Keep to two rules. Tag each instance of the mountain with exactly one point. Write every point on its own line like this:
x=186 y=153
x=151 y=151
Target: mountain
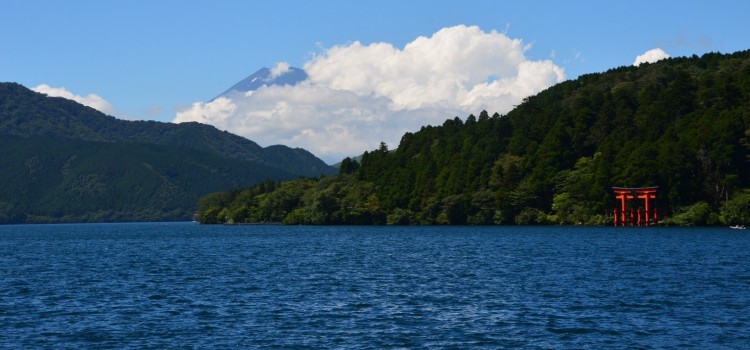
x=63 y=161
x=266 y=76
x=682 y=124
x=27 y=113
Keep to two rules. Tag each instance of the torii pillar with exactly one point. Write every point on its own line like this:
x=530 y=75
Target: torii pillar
x=646 y=194
x=623 y=194
x=626 y=193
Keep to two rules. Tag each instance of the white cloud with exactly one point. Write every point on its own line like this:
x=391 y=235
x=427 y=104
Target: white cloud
x=650 y=56
x=445 y=69
x=279 y=69
x=358 y=95
x=330 y=123
x=92 y=100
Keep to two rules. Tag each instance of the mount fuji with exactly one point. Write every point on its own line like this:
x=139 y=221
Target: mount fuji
x=266 y=76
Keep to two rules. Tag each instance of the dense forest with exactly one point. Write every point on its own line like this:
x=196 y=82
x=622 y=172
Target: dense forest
x=682 y=124
x=26 y=113
x=65 y=162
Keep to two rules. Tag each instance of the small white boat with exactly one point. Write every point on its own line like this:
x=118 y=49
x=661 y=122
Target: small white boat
x=737 y=227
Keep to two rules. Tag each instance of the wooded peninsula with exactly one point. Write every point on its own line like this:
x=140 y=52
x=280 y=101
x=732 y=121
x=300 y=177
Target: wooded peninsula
x=681 y=124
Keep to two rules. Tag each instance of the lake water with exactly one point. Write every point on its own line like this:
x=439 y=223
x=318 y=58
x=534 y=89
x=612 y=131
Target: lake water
x=182 y=285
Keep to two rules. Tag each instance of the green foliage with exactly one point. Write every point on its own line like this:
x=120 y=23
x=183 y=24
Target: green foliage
x=400 y=217
x=64 y=162
x=60 y=180
x=698 y=214
x=26 y=113
x=736 y=211
x=579 y=192
x=682 y=124
x=531 y=216
x=348 y=166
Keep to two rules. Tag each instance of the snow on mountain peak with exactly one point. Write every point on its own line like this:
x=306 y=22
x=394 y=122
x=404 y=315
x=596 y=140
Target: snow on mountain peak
x=281 y=74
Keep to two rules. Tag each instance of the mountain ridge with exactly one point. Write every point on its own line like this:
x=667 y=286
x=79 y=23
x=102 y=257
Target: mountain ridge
x=54 y=118
x=65 y=162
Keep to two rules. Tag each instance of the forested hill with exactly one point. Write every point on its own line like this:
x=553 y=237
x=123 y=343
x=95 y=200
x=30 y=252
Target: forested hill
x=682 y=124
x=64 y=162
x=24 y=112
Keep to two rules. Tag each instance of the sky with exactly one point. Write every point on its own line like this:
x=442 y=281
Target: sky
x=377 y=68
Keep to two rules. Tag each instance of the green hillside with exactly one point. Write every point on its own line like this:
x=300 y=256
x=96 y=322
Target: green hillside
x=26 y=113
x=682 y=124
x=64 y=162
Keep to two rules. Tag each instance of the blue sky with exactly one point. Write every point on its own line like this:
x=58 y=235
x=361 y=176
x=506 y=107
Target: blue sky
x=152 y=59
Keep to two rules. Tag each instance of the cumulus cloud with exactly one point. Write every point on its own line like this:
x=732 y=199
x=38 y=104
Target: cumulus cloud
x=279 y=69
x=451 y=68
x=650 y=56
x=357 y=95
x=92 y=100
x=330 y=123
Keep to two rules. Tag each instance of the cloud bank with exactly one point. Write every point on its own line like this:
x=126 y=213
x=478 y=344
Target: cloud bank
x=359 y=95
x=91 y=100
x=650 y=56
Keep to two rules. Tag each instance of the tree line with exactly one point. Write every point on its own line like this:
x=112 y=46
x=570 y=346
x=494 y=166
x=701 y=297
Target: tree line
x=681 y=124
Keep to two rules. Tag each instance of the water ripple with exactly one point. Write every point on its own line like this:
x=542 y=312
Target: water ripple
x=184 y=285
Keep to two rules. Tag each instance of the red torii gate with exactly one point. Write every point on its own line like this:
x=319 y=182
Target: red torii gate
x=623 y=217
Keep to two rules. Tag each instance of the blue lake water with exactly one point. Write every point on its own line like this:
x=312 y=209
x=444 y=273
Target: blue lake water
x=182 y=285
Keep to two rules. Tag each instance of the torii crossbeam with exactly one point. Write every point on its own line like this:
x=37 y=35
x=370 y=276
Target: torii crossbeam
x=632 y=217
